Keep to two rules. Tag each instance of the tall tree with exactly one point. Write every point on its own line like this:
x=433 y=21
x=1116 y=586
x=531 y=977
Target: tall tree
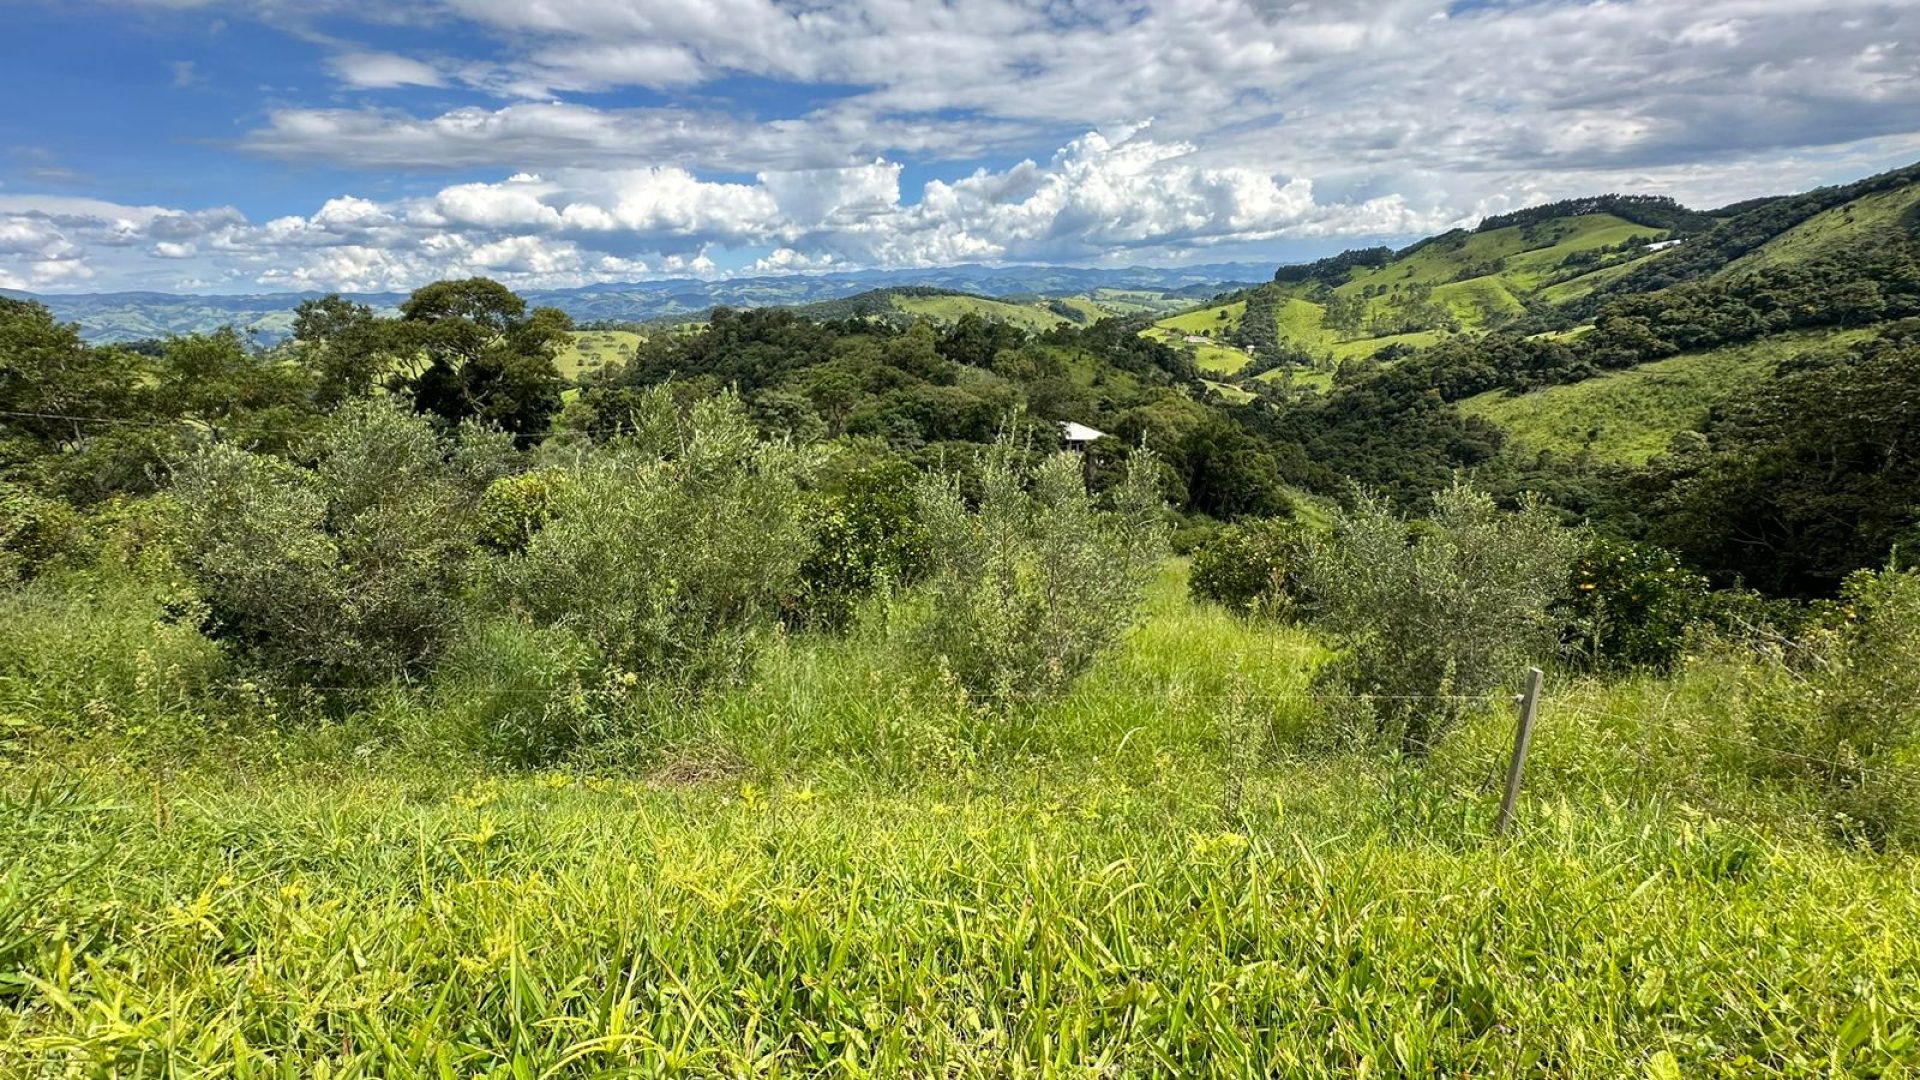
x=487 y=358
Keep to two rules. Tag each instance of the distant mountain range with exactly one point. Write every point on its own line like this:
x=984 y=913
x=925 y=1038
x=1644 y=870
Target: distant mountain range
x=133 y=316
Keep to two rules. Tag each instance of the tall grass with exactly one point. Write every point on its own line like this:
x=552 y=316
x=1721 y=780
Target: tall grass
x=1051 y=924
x=840 y=866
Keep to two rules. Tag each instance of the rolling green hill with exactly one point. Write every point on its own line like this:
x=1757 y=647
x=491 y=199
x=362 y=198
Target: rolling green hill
x=1357 y=305
x=1870 y=219
x=1035 y=316
x=1630 y=416
x=1032 y=313
x=595 y=349
x=1544 y=273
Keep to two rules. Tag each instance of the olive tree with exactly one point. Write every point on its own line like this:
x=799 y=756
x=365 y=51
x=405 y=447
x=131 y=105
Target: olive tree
x=347 y=568
x=1435 y=614
x=1033 y=583
x=669 y=551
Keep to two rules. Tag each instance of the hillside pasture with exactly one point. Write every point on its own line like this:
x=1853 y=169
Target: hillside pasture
x=1630 y=416
x=1033 y=317
x=595 y=350
x=1833 y=231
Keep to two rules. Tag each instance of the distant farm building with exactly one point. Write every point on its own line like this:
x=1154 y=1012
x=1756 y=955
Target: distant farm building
x=1077 y=436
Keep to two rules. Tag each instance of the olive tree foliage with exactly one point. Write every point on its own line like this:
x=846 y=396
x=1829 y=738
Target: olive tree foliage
x=1032 y=584
x=670 y=551
x=1433 y=616
x=1847 y=719
x=345 y=568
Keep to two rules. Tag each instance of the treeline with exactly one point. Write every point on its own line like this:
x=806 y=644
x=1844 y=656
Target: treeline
x=929 y=394
x=1653 y=211
x=85 y=425
x=1741 y=229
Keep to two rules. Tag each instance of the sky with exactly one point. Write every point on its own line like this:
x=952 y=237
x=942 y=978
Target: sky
x=248 y=146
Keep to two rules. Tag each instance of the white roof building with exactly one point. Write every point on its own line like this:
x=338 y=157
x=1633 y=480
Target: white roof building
x=1078 y=435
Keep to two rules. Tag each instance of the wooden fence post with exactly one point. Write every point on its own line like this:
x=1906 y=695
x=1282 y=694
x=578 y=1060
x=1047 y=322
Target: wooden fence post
x=1522 y=738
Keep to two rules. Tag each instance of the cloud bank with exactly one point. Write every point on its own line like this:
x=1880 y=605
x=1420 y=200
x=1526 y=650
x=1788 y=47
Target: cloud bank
x=626 y=138
x=1099 y=198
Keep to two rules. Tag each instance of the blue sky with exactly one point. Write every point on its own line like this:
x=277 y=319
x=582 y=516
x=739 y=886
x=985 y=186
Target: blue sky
x=260 y=145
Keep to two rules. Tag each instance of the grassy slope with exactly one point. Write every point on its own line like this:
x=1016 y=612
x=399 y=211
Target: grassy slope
x=594 y=349
x=1630 y=416
x=1232 y=393
x=1526 y=253
x=1572 y=289
x=829 y=883
x=1090 y=312
x=1217 y=320
x=1862 y=220
x=946 y=309
x=1527 y=259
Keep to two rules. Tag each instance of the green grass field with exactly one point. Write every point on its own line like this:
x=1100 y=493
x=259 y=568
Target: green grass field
x=1232 y=393
x=594 y=350
x=1524 y=255
x=946 y=309
x=831 y=872
x=1831 y=231
x=1630 y=416
x=1300 y=322
x=1220 y=359
x=1308 y=378
x=1218 y=321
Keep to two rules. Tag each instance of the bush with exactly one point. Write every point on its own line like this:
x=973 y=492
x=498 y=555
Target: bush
x=1851 y=723
x=91 y=655
x=1029 y=589
x=515 y=507
x=1630 y=605
x=866 y=537
x=36 y=533
x=670 y=552
x=348 y=571
x=1252 y=568
x=523 y=695
x=1436 y=615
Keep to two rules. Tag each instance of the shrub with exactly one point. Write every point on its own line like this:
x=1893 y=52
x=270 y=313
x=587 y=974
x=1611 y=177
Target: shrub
x=515 y=507
x=104 y=654
x=36 y=533
x=523 y=695
x=1252 y=568
x=1851 y=723
x=1435 y=615
x=1028 y=589
x=348 y=571
x=866 y=537
x=1191 y=533
x=1629 y=605
x=669 y=552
